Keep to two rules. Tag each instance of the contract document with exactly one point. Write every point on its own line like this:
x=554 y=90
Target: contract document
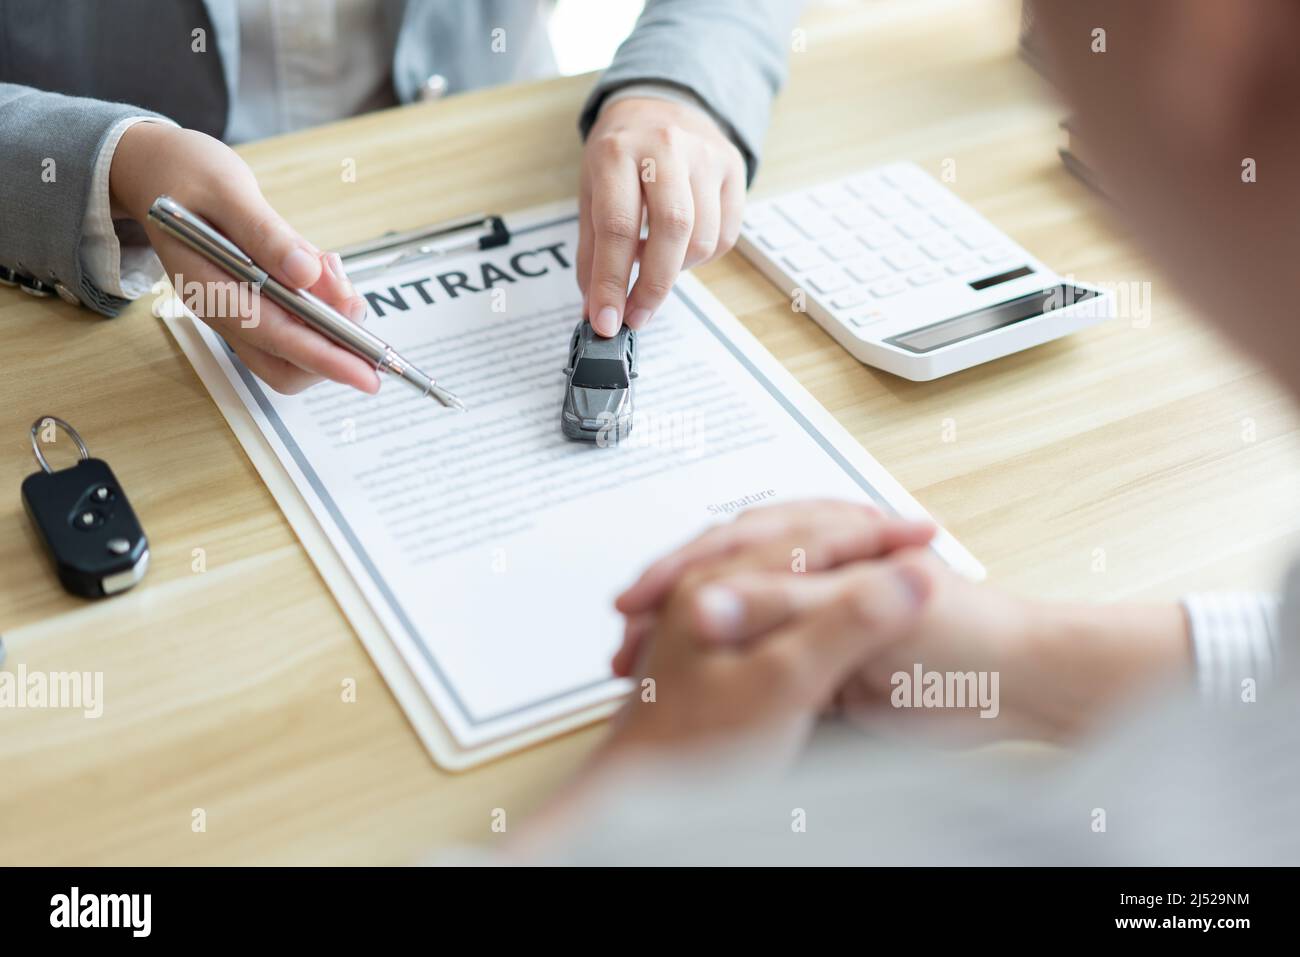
x=487 y=545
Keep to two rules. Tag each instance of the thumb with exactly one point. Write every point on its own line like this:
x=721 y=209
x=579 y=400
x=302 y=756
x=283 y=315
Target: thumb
x=274 y=245
x=876 y=604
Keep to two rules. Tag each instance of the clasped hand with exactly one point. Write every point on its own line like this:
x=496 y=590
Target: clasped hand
x=760 y=626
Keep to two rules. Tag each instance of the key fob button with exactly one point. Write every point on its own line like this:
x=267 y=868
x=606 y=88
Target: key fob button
x=102 y=494
x=90 y=518
x=118 y=546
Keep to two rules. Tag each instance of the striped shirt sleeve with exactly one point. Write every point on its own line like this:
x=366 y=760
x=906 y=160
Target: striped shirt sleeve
x=1234 y=638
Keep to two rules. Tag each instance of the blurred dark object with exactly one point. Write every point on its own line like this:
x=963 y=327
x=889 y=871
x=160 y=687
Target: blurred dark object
x=1074 y=155
x=1030 y=45
x=1072 y=152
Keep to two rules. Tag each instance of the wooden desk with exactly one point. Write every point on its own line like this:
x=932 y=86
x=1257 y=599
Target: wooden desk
x=1154 y=447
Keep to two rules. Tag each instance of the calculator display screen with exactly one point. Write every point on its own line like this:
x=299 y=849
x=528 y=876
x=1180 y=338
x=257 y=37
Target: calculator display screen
x=945 y=333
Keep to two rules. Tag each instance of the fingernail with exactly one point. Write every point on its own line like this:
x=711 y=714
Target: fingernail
x=721 y=611
x=915 y=584
x=638 y=318
x=606 y=321
x=299 y=267
x=358 y=310
x=335 y=264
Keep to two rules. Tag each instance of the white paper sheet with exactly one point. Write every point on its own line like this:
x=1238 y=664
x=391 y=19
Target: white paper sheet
x=489 y=546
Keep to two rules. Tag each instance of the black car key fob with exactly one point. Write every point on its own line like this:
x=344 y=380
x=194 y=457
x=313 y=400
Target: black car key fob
x=85 y=520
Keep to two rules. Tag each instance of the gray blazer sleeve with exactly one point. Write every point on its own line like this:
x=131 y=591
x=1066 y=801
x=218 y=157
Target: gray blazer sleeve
x=729 y=53
x=48 y=146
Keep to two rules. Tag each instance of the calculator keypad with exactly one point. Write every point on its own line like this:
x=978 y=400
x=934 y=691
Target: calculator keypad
x=860 y=244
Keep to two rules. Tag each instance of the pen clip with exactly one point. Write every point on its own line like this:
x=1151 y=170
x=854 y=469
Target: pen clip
x=391 y=250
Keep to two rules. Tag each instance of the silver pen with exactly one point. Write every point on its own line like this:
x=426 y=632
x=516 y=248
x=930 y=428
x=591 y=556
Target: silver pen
x=199 y=235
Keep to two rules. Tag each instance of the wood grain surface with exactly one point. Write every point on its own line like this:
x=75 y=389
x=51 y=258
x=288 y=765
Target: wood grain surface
x=1135 y=459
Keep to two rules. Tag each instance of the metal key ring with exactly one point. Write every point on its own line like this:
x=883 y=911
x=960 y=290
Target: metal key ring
x=36 y=448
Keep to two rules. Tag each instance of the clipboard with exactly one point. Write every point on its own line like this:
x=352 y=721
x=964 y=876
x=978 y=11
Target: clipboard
x=269 y=455
x=389 y=251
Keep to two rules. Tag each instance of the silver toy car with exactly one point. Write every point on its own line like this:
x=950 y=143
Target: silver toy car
x=598 y=393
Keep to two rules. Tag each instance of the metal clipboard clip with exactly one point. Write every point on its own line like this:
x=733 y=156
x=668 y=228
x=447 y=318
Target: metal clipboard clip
x=393 y=250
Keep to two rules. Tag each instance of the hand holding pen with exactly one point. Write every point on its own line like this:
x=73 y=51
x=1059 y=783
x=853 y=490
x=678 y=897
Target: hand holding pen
x=212 y=181
x=316 y=314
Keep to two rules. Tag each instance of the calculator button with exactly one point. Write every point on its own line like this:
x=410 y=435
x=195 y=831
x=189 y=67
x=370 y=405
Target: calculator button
x=845 y=247
x=997 y=254
x=963 y=264
x=888 y=287
x=756 y=217
x=940 y=248
x=924 y=276
x=924 y=197
x=976 y=238
x=915 y=226
x=849 y=298
x=817 y=226
x=866 y=185
x=878 y=238
x=828 y=279
x=796 y=208
x=905 y=258
x=831 y=197
x=853 y=216
x=867 y=270
x=947 y=216
x=801 y=260
x=889 y=206
x=866 y=319
x=892 y=175
x=779 y=237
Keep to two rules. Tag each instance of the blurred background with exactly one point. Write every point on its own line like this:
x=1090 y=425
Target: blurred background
x=585 y=33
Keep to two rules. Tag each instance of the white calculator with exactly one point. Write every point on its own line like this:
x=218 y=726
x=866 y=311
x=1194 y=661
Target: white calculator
x=907 y=277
